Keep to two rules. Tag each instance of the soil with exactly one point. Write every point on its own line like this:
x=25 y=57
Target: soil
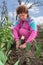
x=26 y=57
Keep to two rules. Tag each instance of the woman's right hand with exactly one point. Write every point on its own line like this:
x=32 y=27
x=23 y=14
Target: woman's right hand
x=17 y=44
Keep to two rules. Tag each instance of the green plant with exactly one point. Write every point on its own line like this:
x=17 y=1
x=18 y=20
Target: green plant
x=38 y=50
x=28 y=46
x=38 y=47
x=3 y=57
x=6 y=39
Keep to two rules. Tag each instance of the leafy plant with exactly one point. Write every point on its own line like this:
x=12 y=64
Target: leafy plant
x=6 y=39
x=28 y=46
x=38 y=47
x=3 y=57
x=38 y=50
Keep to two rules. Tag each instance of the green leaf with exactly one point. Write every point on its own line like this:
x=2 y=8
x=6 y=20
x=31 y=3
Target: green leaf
x=2 y=49
x=1 y=63
x=17 y=62
x=9 y=45
x=38 y=50
x=8 y=53
x=2 y=45
x=3 y=57
x=28 y=46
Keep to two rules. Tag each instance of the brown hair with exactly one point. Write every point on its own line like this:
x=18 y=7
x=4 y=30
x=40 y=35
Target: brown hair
x=22 y=9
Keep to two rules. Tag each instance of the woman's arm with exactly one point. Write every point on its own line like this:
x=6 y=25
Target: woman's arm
x=15 y=31
x=33 y=30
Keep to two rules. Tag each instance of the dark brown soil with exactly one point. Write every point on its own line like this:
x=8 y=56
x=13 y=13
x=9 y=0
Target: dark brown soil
x=26 y=57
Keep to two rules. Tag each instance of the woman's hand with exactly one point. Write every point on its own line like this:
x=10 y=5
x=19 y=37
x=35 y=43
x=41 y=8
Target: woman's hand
x=17 y=44
x=23 y=46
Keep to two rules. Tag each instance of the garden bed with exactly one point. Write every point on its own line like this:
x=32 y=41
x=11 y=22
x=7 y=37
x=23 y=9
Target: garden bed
x=27 y=57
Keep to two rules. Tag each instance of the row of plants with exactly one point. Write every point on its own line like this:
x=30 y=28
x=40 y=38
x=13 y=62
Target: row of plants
x=6 y=39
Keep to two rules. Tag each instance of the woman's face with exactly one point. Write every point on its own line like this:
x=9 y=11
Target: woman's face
x=22 y=16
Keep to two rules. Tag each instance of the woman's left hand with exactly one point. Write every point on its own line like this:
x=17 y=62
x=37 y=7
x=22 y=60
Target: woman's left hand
x=23 y=46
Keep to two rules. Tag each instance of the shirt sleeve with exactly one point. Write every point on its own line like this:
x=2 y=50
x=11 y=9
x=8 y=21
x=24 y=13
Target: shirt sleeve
x=33 y=34
x=15 y=31
x=33 y=25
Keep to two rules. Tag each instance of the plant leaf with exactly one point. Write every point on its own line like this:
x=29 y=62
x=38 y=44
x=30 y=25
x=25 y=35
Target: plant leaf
x=17 y=62
x=38 y=50
x=3 y=57
x=28 y=46
x=1 y=63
